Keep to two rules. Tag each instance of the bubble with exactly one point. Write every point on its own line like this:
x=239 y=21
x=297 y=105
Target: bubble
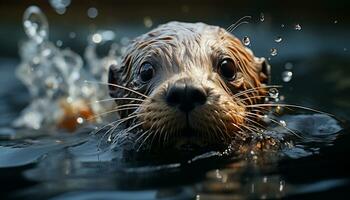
x=278 y=39
x=273 y=52
x=336 y=21
x=266 y=119
x=282 y=25
x=72 y=35
x=59 y=43
x=35 y=24
x=287 y=76
x=297 y=27
x=147 y=21
x=246 y=40
x=92 y=12
x=262 y=17
x=273 y=93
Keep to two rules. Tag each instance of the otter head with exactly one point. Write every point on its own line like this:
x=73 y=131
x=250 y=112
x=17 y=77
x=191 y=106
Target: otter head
x=195 y=82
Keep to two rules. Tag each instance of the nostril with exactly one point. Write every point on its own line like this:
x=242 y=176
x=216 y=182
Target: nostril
x=175 y=93
x=185 y=97
x=197 y=95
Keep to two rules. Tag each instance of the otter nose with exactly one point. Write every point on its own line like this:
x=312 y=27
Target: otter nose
x=186 y=96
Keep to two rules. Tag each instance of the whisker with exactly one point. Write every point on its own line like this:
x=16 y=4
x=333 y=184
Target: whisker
x=255 y=89
x=288 y=105
x=118 y=86
x=117 y=98
x=233 y=26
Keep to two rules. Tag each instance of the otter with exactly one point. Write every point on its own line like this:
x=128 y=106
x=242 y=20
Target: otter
x=185 y=85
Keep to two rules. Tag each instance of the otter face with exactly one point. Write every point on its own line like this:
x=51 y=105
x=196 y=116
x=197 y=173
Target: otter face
x=198 y=80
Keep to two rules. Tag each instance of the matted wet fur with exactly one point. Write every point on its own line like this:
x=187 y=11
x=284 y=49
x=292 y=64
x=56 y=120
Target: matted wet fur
x=188 y=54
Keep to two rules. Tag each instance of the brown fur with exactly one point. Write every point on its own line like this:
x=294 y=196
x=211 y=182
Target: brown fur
x=191 y=53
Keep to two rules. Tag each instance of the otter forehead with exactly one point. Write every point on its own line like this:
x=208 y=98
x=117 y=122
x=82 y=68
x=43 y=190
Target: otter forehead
x=179 y=44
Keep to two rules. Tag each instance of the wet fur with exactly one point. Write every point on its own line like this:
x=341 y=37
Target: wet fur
x=190 y=52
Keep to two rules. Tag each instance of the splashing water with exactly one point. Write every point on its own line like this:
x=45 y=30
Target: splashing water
x=55 y=77
x=35 y=24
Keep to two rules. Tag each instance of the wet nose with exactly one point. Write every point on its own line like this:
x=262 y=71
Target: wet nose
x=186 y=96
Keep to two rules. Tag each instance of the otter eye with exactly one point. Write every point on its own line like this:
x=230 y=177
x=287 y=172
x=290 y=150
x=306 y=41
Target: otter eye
x=227 y=69
x=146 y=72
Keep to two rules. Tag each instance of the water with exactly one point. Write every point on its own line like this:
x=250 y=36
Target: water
x=39 y=162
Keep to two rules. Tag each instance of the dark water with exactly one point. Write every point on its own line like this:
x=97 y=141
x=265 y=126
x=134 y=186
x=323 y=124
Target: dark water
x=64 y=166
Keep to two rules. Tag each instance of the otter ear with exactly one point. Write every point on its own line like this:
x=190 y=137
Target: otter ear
x=264 y=70
x=114 y=77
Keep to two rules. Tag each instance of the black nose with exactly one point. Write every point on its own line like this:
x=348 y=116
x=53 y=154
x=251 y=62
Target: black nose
x=186 y=96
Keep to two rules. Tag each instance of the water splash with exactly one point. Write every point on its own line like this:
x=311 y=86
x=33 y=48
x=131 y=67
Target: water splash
x=55 y=78
x=35 y=24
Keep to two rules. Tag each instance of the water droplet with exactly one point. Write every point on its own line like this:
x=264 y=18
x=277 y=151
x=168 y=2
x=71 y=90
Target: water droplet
x=282 y=25
x=262 y=17
x=80 y=120
x=297 y=27
x=287 y=76
x=283 y=123
x=35 y=24
x=288 y=66
x=266 y=119
x=246 y=40
x=273 y=52
x=96 y=38
x=59 y=43
x=273 y=93
x=92 y=12
x=278 y=39
x=60 y=5
x=336 y=21
x=147 y=21
x=72 y=35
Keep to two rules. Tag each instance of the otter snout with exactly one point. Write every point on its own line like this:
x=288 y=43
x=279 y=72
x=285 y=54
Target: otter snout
x=185 y=96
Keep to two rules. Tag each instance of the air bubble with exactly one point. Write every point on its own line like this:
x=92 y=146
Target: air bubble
x=80 y=120
x=35 y=24
x=246 y=40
